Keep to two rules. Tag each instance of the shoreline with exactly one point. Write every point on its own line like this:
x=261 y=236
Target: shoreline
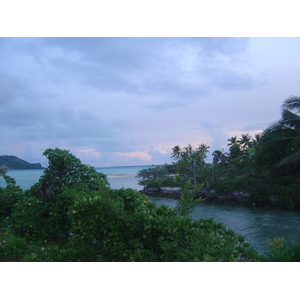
x=237 y=198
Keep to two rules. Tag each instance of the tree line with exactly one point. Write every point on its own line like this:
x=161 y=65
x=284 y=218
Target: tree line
x=262 y=170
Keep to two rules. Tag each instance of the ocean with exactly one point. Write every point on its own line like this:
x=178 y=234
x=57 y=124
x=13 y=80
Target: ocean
x=118 y=177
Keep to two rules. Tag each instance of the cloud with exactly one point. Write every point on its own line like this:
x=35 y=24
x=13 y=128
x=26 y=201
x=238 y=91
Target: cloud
x=149 y=66
x=139 y=95
x=10 y=88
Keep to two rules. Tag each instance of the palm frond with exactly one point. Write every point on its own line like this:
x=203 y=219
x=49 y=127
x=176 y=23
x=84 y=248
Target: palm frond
x=292 y=103
x=289 y=115
x=292 y=159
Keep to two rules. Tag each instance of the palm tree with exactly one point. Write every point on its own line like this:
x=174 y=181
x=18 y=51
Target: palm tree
x=219 y=157
x=232 y=141
x=287 y=131
x=244 y=141
x=202 y=151
x=190 y=161
x=176 y=152
x=255 y=141
x=188 y=149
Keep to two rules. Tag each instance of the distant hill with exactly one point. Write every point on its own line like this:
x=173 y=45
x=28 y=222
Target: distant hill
x=12 y=162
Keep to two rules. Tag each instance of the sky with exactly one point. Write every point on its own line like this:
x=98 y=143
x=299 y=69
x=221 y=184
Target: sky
x=128 y=101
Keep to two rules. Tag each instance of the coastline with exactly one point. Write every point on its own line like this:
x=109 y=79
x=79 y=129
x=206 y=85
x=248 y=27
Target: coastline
x=241 y=199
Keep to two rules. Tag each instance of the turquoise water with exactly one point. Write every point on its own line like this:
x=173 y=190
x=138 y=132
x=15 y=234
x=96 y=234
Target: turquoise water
x=256 y=224
x=24 y=178
x=118 y=177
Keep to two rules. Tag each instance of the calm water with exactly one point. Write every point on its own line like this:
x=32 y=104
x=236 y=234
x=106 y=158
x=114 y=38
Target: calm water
x=256 y=224
x=118 y=177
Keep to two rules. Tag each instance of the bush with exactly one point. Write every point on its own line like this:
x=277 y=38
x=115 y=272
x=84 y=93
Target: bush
x=30 y=219
x=152 y=177
x=259 y=196
x=13 y=248
x=279 y=252
x=42 y=213
x=288 y=196
x=9 y=196
x=129 y=227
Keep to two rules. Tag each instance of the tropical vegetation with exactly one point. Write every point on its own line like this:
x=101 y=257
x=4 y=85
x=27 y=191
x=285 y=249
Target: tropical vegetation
x=262 y=170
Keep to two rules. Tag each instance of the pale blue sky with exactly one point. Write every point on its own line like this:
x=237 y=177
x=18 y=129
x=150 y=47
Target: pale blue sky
x=128 y=101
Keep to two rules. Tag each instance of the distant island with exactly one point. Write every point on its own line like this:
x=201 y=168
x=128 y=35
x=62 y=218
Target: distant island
x=11 y=162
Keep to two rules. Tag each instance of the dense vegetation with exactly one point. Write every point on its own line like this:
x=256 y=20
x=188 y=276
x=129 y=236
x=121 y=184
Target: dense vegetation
x=14 y=163
x=261 y=170
x=71 y=214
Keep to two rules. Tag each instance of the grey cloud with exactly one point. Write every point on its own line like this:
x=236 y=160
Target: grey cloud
x=230 y=80
x=6 y=151
x=167 y=104
x=80 y=127
x=45 y=84
x=39 y=121
x=151 y=65
x=10 y=88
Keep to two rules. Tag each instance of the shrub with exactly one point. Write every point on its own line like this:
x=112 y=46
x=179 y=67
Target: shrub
x=288 y=196
x=279 y=252
x=259 y=195
x=9 y=196
x=43 y=211
x=129 y=227
x=13 y=248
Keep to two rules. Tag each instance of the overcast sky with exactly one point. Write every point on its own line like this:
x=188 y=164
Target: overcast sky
x=128 y=101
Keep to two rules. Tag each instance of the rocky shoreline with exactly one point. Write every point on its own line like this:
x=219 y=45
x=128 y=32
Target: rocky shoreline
x=211 y=196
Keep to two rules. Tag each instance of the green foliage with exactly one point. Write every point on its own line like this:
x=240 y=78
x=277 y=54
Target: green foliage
x=72 y=215
x=131 y=228
x=43 y=212
x=13 y=248
x=123 y=225
x=65 y=171
x=171 y=168
x=279 y=148
x=158 y=177
x=9 y=196
x=276 y=242
x=288 y=195
x=188 y=200
x=170 y=181
x=259 y=195
x=191 y=162
x=279 y=252
x=153 y=173
x=36 y=220
x=151 y=184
